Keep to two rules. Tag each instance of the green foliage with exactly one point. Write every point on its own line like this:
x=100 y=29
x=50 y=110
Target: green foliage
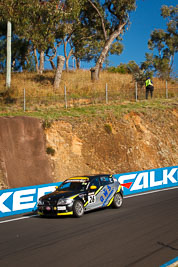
x=108 y=128
x=50 y=151
x=47 y=124
x=86 y=25
x=122 y=68
x=164 y=44
x=129 y=68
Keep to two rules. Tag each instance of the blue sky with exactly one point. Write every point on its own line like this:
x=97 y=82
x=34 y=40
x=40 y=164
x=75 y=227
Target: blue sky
x=144 y=20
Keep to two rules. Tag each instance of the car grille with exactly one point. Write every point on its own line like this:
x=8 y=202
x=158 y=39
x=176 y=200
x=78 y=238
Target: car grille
x=50 y=202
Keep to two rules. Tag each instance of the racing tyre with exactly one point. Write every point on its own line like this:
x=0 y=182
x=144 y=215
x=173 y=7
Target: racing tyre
x=117 y=201
x=78 y=208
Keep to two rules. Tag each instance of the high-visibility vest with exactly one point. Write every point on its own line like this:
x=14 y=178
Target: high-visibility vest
x=148 y=82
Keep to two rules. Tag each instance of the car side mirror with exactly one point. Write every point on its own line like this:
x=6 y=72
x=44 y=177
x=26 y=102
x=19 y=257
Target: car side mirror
x=93 y=187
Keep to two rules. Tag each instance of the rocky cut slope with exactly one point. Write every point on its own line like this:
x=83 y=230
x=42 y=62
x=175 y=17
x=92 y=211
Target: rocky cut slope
x=137 y=141
x=23 y=159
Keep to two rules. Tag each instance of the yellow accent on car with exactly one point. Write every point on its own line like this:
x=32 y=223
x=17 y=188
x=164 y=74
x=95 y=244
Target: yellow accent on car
x=65 y=213
x=86 y=204
x=74 y=196
x=93 y=187
x=110 y=202
x=40 y=213
x=119 y=188
x=78 y=178
x=98 y=190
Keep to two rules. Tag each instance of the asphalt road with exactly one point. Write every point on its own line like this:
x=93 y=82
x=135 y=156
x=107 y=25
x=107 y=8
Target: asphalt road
x=144 y=232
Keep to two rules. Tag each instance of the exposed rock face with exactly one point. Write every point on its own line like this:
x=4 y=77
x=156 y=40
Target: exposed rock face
x=23 y=159
x=135 y=142
x=69 y=159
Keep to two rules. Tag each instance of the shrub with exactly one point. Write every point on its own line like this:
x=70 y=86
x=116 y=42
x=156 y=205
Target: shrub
x=50 y=151
x=46 y=124
x=108 y=128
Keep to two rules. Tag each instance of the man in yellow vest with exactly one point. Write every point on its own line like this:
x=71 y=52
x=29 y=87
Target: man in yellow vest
x=149 y=87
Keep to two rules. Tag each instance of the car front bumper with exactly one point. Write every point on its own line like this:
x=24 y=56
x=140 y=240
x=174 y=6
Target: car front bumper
x=54 y=210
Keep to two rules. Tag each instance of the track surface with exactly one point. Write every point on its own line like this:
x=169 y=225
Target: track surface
x=144 y=232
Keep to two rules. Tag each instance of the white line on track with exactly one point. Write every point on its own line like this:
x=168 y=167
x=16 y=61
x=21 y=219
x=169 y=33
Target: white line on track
x=145 y=193
x=17 y=219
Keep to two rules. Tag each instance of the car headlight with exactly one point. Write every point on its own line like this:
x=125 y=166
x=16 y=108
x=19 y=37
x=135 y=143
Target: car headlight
x=40 y=202
x=64 y=201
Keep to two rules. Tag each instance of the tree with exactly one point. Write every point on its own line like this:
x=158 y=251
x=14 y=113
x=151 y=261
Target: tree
x=65 y=30
x=164 y=45
x=110 y=19
x=35 y=21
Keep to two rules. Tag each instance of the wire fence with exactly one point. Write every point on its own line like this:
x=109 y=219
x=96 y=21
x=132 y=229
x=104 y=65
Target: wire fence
x=67 y=98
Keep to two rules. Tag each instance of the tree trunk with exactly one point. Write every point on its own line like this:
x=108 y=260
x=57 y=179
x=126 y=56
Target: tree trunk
x=41 y=68
x=36 y=60
x=96 y=70
x=67 y=64
x=60 y=65
x=67 y=57
x=52 y=64
x=77 y=60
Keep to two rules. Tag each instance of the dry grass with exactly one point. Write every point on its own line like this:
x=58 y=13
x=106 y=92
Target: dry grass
x=77 y=82
x=79 y=85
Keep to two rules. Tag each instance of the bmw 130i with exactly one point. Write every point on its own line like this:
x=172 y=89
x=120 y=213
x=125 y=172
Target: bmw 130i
x=77 y=195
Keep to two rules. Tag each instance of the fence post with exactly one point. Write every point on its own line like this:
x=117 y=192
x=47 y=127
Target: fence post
x=65 y=96
x=136 y=92
x=24 y=100
x=106 y=93
x=166 y=90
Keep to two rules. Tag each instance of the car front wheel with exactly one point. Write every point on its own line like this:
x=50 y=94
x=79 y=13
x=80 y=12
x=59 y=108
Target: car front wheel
x=78 y=208
x=117 y=201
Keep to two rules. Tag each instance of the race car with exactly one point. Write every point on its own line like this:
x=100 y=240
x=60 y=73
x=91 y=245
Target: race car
x=77 y=195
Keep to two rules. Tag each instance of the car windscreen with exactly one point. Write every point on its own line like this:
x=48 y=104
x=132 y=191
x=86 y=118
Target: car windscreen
x=105 y=180
x=73 y=186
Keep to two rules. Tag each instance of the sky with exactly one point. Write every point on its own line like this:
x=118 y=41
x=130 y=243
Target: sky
x=144 y=20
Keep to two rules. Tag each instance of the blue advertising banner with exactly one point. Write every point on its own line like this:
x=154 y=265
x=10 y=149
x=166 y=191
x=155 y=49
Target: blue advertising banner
x=143 y=181
x=21 y=200
x=24 y=199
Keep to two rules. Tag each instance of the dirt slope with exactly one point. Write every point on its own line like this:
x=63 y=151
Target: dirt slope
x=134 y=142
x=137 y=141
x=23 y=159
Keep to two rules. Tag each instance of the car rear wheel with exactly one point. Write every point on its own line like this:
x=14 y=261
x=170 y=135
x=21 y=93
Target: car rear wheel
x=78 y=208
x=117 y=201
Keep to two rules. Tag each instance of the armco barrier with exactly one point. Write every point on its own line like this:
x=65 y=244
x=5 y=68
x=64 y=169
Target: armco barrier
x=22 y=200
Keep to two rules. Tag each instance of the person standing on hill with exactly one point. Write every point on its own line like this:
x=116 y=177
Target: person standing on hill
x=149 y=87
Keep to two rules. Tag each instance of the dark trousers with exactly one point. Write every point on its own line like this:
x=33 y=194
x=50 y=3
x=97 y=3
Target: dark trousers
x=150 y=89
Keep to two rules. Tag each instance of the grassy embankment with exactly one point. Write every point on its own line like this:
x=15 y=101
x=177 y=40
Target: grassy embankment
x=41 y=98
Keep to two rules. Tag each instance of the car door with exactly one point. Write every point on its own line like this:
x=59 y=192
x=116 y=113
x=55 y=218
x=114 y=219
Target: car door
x=94 y=194
x=108 y=190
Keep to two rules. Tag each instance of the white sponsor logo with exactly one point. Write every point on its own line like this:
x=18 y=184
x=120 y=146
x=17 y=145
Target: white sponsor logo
x=23 y=199
x=148 y=179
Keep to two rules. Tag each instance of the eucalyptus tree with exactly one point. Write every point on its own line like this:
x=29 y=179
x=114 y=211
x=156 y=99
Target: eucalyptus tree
x=164 y=44
x=109 y=19
x=65 y=29
x=35 y=21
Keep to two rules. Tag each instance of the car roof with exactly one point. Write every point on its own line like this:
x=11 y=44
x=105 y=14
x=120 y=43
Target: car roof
x=89 y=177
